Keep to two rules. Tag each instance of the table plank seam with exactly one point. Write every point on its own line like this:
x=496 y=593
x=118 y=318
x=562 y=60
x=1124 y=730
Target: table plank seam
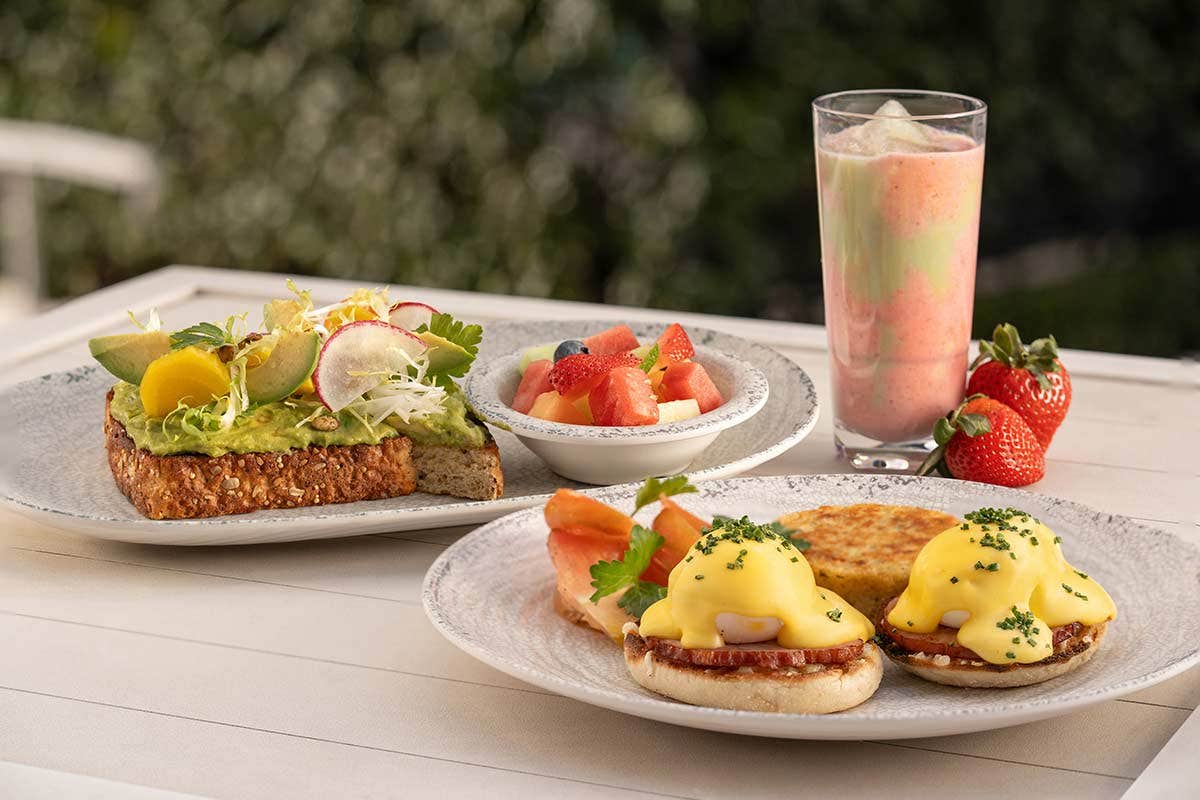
x=281 y=654
x=376 y=748
x=216 y=575
x=1000 y=760
x=398 y=538
x=373 y=668
x=338 y=742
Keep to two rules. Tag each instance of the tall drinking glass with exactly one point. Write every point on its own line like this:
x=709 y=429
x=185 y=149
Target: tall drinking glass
x=899 y=175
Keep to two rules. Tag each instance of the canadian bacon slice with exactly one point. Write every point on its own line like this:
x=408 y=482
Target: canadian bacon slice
x=762 y=655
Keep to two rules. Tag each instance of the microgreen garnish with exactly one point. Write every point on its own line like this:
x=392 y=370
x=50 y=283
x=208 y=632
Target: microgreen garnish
x=204 y=334
x=655 y=488
x=1021 y=622
x=737 y=530
x=754 y=531
x=738 y=562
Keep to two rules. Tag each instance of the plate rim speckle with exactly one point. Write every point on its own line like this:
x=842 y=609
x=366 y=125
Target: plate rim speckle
x=940 y=721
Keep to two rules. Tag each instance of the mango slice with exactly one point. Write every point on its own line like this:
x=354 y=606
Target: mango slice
x=191 y=375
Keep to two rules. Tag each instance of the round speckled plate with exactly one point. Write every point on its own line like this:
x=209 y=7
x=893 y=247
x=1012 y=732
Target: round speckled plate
x=505 y=617
x=55 y=470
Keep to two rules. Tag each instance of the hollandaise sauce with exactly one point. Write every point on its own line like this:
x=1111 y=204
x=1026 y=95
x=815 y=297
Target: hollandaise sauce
x=749 y=575
x=1001 y=578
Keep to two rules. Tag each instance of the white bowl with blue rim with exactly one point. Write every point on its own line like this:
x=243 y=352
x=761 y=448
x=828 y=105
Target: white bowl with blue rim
x=605 y=455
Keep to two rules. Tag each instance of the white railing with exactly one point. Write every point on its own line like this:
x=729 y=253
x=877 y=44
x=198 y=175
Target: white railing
x=32 y=150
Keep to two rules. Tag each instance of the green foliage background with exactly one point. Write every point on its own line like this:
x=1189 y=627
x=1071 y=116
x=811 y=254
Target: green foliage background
x=652 y=153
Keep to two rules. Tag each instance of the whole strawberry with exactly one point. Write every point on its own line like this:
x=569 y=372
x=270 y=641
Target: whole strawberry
x=1028 y=379
x=985 y=440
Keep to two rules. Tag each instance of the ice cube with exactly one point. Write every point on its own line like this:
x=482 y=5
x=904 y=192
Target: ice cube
x=896 y=133
x=892 y=108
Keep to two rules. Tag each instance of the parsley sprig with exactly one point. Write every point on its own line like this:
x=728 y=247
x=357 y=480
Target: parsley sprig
x=655 y=488
x=609 y=577
x=465 y=336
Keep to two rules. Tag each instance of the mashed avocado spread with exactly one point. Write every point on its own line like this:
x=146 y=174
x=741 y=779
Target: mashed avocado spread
x=273 y=427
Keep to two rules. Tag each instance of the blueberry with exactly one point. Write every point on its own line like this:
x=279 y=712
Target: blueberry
x=569 y=348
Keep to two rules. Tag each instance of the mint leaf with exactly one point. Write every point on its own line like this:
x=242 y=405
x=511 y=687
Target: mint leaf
x=641 y=596
x=655 y=488
x=612 y=576
x=650 y=360
x=204 y=334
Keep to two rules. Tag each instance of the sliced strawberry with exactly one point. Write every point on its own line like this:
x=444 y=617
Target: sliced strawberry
x=576 y=375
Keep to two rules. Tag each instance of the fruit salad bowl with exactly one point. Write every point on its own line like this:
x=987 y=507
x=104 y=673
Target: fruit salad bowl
x=615 y=454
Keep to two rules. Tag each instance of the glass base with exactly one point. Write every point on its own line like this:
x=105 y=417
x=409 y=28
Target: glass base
x=871 y=455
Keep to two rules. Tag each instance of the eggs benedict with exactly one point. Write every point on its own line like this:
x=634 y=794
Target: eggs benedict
x=744 y=626
x=993 y=603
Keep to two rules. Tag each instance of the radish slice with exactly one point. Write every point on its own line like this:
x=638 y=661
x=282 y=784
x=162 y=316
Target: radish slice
x=370 y=346
x=411 y=316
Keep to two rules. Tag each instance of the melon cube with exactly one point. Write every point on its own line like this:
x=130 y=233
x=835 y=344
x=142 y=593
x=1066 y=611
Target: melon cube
x=678 y=410
x=553 y=407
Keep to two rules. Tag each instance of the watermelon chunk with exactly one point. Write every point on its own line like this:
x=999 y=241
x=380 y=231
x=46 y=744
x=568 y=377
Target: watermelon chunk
x=675 y=345
x=534 y=382
x=624 y=397
x=689 y=380
x=553 y=407
x=618 y=339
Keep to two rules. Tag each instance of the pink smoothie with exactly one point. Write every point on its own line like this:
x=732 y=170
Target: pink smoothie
x=899 y=204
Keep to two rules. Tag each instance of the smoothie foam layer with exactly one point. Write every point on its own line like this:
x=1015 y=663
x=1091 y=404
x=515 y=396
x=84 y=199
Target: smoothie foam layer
x=899 y=204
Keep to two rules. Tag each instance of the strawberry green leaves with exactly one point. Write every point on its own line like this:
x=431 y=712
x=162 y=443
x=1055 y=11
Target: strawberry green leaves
x=655 y=488
x=1038 y=358
x=609 y=577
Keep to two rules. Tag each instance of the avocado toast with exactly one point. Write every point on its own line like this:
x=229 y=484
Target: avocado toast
x=352 y=401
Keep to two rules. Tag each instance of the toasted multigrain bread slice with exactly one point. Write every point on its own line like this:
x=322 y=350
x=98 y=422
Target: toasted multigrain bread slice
x=473 y=473
x=185 y=486
x=864 y=552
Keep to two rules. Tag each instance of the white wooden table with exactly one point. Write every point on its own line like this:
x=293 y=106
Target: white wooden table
x=309 y=670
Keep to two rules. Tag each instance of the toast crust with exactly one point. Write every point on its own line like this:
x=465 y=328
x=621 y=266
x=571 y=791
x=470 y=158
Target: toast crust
x=189 y=486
